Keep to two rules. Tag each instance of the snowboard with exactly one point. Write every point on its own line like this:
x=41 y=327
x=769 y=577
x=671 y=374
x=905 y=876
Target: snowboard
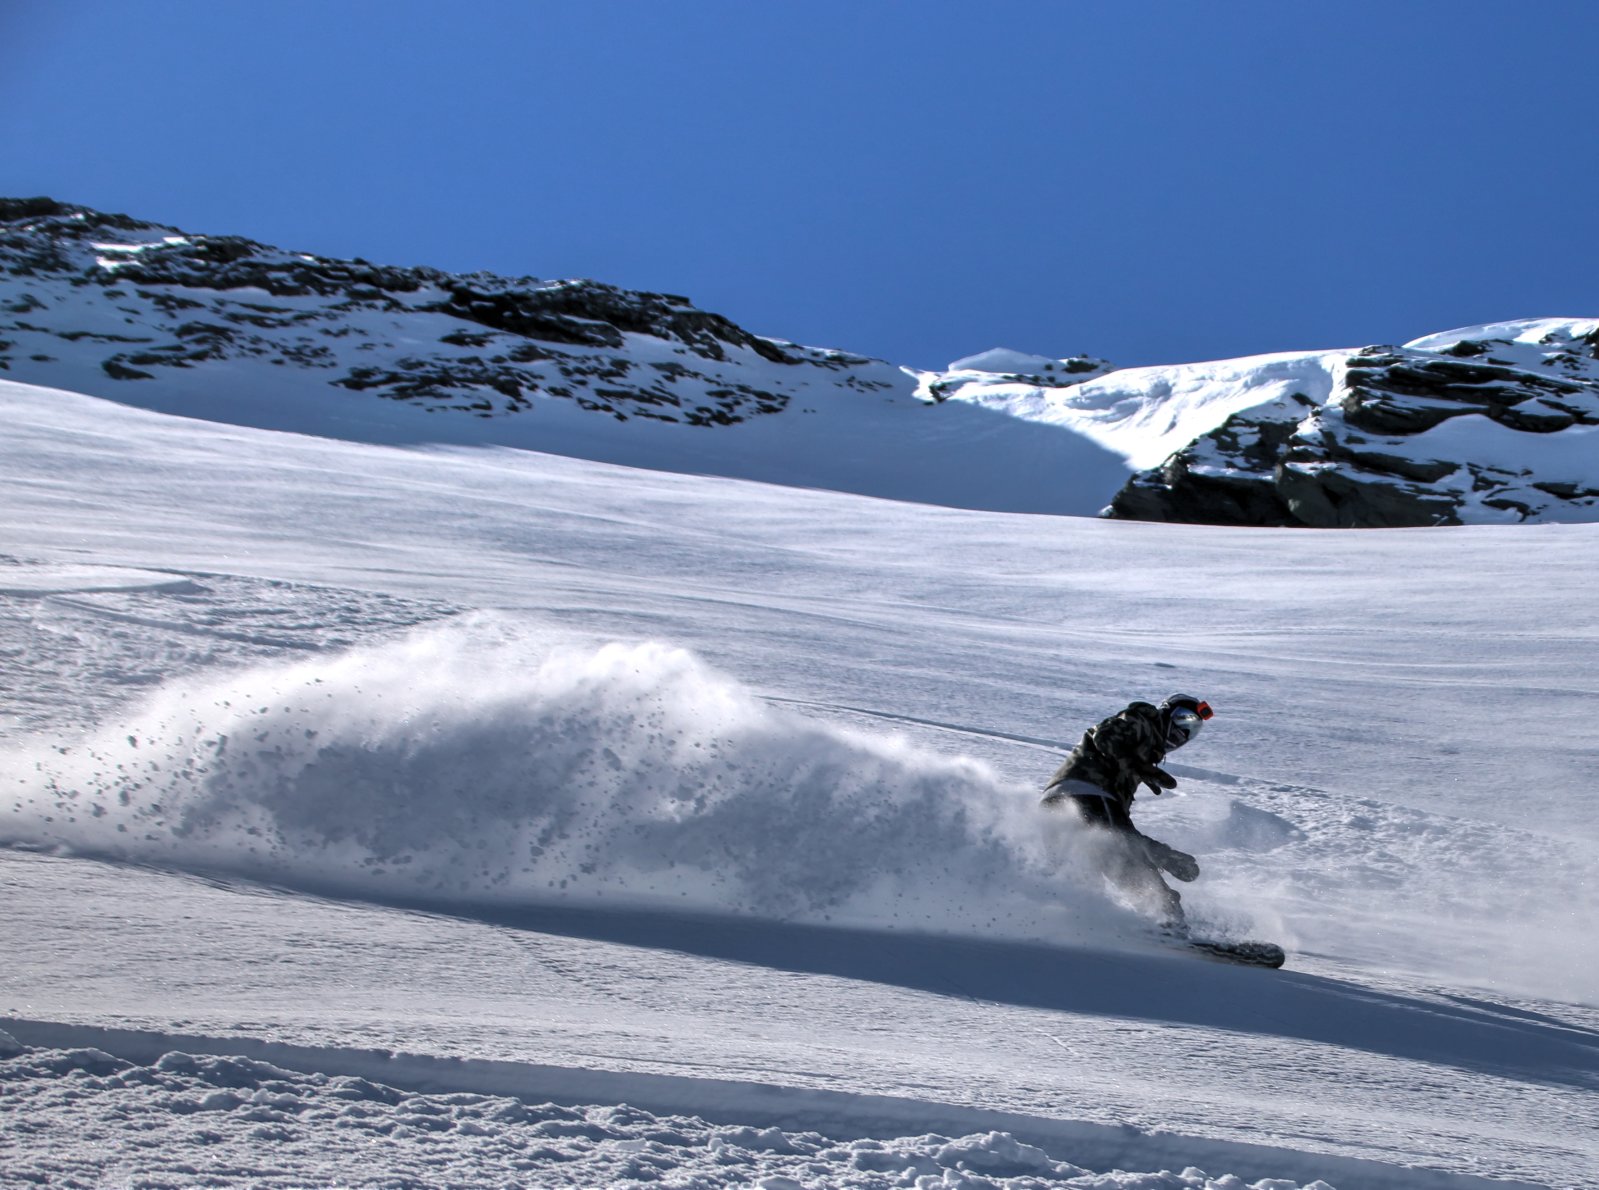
x=1227 y=950
x=1248 y=954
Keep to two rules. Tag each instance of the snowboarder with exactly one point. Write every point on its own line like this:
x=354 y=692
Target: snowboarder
x=1100 y=778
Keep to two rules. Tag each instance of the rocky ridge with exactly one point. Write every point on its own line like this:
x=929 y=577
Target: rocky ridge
x=149 y=301
x=1492 y=424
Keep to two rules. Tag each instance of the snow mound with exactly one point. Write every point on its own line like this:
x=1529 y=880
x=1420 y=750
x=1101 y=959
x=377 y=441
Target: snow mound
x=1525 y=340
x=1003 y=360
x=1144 y=414
x=479 y=762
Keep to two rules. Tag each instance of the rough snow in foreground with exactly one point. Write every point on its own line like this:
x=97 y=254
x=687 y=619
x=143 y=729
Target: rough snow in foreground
x=200 y=1120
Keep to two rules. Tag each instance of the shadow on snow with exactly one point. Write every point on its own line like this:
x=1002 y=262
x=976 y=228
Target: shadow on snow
x=1176 y=988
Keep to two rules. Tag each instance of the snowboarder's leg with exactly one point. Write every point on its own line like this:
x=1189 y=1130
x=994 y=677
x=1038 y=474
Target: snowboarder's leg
x=1135 y=875
x=1126 y=858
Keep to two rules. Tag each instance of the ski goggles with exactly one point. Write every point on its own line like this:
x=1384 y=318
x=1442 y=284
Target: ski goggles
x=1184 y=726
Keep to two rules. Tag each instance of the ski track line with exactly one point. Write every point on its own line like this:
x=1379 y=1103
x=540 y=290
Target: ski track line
x=839 y=1115
x=887 y=716
x=1060 y=746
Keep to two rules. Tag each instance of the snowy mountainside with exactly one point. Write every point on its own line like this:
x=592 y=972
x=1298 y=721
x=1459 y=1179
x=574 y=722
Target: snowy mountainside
x=1490 y=424
x=229 y=330
x=1483 y=424
x=193 y=301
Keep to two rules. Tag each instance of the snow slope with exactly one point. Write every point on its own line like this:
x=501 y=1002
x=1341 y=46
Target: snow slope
x=478 y=793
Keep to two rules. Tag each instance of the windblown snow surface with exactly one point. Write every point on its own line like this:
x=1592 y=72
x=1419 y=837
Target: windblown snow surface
x=469 y=817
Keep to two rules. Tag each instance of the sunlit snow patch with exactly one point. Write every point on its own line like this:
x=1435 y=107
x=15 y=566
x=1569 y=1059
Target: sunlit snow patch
x=30 y=581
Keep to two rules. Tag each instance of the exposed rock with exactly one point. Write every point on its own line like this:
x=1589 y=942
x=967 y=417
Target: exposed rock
x=117 y=370
x=1364 y=458
x=502 y=344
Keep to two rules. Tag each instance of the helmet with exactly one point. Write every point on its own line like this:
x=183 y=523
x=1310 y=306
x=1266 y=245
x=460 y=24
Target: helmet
x=1183 y=715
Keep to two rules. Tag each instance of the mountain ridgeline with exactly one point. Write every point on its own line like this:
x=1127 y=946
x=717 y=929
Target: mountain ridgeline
x=1493 y=424
x=474 y=343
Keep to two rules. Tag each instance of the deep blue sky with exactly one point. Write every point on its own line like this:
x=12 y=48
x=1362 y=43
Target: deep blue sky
x=912 y=179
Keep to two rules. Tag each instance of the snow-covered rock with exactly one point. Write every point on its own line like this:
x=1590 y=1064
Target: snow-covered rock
x=1486 y=424
x=1145 y=414
x=1020 y=365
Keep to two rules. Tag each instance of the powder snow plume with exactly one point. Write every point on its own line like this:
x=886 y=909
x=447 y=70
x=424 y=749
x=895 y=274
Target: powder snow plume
x=478 y=762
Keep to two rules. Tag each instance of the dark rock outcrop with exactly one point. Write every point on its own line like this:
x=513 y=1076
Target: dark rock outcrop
x=1409 y=437
x=477 y=343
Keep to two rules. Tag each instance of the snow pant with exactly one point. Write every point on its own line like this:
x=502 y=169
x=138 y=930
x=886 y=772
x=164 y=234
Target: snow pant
x=1129 y=858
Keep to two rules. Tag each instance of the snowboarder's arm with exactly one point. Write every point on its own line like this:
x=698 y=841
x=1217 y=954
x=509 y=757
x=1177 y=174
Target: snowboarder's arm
x=1129 y=739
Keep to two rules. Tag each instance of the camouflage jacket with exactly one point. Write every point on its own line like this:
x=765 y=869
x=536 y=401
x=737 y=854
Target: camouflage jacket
x=1119 y=754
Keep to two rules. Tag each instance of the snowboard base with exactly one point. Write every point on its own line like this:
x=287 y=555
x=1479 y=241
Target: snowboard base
x=1249 y=954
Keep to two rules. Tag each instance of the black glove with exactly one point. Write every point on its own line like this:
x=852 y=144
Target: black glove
x=1179 y=864
x=1157 y=779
